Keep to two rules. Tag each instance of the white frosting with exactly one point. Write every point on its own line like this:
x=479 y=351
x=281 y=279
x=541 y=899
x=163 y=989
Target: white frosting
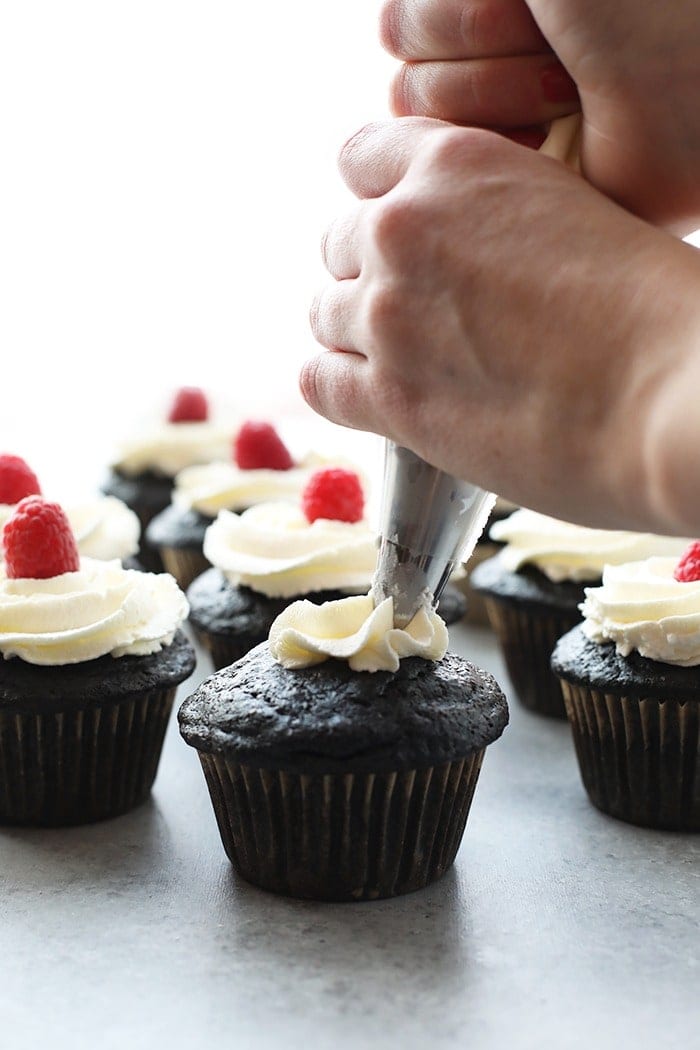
x=571 y=552
x=353 y=629
x=171 y=447
x=82 y=615
x=224 y=486
x=641 y=606
x=104 y=528
x=273 y=549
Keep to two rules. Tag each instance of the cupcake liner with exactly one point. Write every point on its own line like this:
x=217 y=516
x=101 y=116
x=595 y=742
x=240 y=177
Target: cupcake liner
x=77 y=766
x=184 y=563
x=527 y=637
x=639 y=758
x=341 y=836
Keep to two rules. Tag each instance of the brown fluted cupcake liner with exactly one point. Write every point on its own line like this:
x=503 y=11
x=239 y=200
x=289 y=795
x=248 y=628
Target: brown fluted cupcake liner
x=341 y=836
x=184 y=563
x=639 y=758
x=75 y=767
x=527 y=637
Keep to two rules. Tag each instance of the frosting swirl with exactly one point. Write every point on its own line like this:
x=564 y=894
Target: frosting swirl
x=640 y=606
x=353 y=629
x=273 y=549
x=104 y=528
x=224 y=486
x=78 y=616
x=171 y=447
x=563 y=551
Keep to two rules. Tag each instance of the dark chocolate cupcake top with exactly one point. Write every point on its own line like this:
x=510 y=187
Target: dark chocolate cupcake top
x=526 y=585
x=329 y=718
x=599 y=666
x=178 y=527
x=94 y=682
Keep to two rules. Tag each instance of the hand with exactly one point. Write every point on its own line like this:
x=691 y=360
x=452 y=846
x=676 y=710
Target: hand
x=633 y=64
x=508 y=323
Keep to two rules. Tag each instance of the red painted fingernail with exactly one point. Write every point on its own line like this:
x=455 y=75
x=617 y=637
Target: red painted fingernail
x=557 y=85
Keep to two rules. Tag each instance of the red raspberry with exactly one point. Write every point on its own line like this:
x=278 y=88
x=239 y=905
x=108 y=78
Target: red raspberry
x=688 y=568
x=39 y=541
x=258 y=446
x=189 y=406
x=17 y=480
x=333 y=493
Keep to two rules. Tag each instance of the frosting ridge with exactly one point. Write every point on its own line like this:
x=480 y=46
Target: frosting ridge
x=641 y=606
x=353 y=629
x=78 y=616
x=563 y=551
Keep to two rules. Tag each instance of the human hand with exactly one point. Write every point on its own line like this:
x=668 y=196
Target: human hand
x=501 y=318
x=634 y=65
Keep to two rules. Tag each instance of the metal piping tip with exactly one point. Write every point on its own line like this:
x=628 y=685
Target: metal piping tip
x=430 y=522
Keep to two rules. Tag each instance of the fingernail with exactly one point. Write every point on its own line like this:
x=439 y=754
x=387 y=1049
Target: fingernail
x=557 y=85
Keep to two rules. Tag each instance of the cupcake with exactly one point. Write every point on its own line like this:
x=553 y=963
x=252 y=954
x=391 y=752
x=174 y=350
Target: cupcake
x=342 y=755
x=485 y=547
x=103 y=526
x=143 y=471
x=262 y=470
x=630 y=673
x=320 y=548
x=92 y=656
x=534 y=586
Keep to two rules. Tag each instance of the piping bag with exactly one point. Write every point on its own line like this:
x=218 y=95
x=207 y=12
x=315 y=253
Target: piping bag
x=430 y=521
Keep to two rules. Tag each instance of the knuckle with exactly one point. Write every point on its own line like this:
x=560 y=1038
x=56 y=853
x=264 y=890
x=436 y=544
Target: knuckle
x=383 y=309
x=395 y=225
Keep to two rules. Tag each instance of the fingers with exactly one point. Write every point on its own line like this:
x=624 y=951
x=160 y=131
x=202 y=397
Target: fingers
x=332 y=316
x=341 y=246
x=378 y=156
x=418 y=30
x=505 y=92
x=336 y=385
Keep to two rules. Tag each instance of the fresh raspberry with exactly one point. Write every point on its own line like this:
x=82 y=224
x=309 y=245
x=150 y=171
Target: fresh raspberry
x=17 y=480
x=258 y=446
x=189 y=406
x=333 y=493
x=39 y=541
x=688 y=568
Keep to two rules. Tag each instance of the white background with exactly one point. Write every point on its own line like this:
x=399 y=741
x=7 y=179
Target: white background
x=167 y=169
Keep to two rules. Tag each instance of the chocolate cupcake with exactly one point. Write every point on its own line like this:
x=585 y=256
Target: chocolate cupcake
x=485 y=547
x=320 y=548
x=257 y=469
x=534 y=586
x=145 y=465
x=92 y=656
x=630 y=674
x=336 y=780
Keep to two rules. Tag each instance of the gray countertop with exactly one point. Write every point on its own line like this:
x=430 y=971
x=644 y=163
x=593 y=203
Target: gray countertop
x=557 y=927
